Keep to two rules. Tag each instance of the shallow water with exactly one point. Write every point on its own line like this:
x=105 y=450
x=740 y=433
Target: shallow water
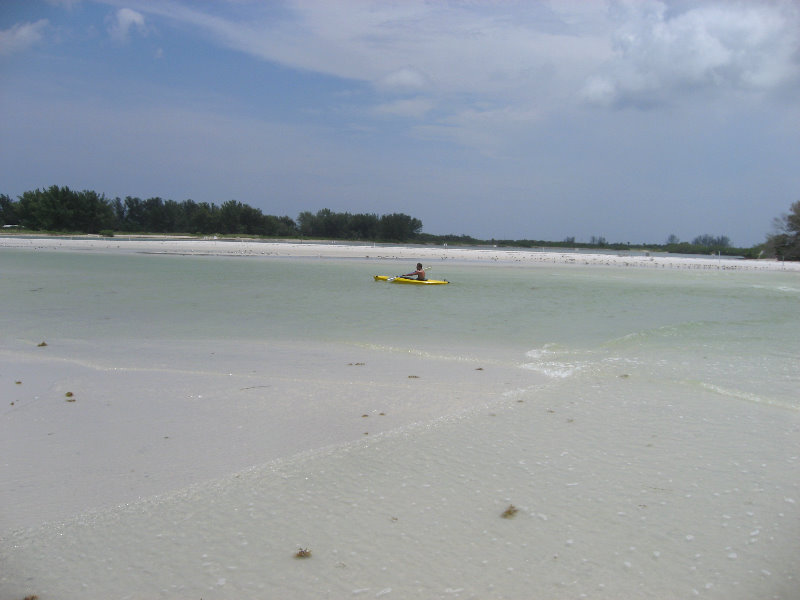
x=644 y=422
x=735 y=331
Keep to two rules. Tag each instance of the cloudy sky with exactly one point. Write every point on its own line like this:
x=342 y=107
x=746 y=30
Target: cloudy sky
x=627 y=119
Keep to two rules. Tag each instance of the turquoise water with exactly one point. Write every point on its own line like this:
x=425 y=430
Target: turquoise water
x=734 y=332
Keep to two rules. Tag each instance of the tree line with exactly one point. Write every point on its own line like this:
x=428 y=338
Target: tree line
x=60 y=209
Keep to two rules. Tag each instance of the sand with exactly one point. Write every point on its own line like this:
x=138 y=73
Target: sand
x=399 y=496
x=222 y=247
x=120 y=430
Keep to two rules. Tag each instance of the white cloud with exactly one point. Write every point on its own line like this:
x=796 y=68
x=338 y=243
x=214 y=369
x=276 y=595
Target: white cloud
x=403 y=79
x=724 y=46
x=22 y=36
x=123 y=21
x=469 y=48
x=489 y=70
x=410 y=107
x=544 y=55
x=494 y=70
x=599 y=90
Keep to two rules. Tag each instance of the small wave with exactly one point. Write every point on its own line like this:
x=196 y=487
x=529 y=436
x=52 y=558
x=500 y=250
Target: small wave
x=656 y=333
x=426 y=354
x=546 y=350
x=549 y=361
x=748 y=396
x=555 y=370
x=780 y=288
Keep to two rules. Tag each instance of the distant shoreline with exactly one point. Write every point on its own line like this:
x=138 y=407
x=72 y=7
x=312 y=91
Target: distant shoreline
x=179 y=245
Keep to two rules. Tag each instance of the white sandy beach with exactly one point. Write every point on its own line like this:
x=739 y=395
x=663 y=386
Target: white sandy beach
x=664 y=499
x=223 y=247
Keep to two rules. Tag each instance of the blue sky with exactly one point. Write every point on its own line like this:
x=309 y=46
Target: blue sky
x=631 y=120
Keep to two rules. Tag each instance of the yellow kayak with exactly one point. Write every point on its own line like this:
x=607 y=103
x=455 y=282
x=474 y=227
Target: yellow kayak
x=409 y=280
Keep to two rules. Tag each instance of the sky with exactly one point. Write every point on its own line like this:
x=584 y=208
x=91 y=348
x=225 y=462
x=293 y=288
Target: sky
x=631 y=120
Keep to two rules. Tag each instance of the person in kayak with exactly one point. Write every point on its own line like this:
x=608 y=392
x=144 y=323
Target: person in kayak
x=420 y=273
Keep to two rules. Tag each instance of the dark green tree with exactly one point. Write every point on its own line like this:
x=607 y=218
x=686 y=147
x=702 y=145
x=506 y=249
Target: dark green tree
x=784 y=244
x=364 y=227
x=205 y=218
x=398 y=227
x=230 y=216
x=90 y=213
x=8 y=211
x=61 y=209
x=118 y=208
x=306 y=223
x=252 y=221
x=134 y=218
x=709 y=241
x=598 y=241
x=334 y=225
x=285 y=226
x=175 y=217
x=44 y=209
x=155 y=216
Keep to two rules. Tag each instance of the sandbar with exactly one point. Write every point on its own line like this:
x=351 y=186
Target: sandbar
x=344 y=250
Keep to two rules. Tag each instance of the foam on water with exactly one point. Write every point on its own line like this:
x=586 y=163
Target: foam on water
x=553 y=362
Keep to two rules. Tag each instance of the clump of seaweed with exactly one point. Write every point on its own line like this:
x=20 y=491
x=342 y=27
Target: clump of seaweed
x=509 y=512
x=303 y=553
x=31 y=597
x=413 y=376
x=70 y=397
x=42 y=344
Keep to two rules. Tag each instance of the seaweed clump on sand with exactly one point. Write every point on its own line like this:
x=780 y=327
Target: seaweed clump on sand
x=509 y=512
x=303 y=553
